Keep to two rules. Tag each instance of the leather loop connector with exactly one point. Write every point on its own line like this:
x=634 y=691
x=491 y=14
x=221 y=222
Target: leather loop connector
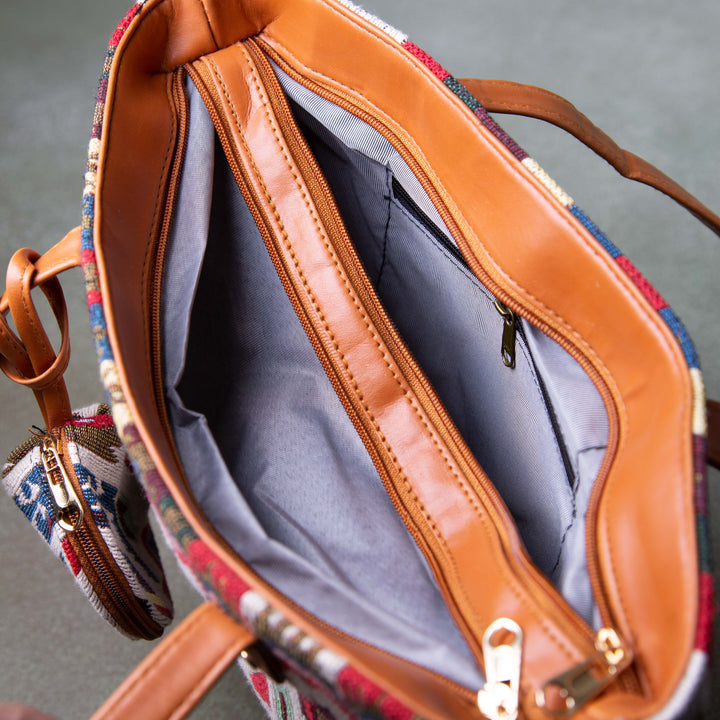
x=28 y=357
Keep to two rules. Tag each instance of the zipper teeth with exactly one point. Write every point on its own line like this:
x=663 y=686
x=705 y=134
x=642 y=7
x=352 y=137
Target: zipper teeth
x=210 y=99
x=335 y=227
x=181 y=110
x=96 y=559
x=533 y=574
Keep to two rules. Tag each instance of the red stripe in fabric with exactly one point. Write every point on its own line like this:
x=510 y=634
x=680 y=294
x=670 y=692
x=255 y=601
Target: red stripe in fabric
x=426 y=60
x=358 y=688
x=227 y=584
x=703 y=639
x=652 y=295
x=391 y=709
x=87 y=256
x=94 y=297
x=123 y=26
x=260 y=684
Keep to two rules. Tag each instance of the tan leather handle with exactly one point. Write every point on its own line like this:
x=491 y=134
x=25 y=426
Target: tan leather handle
x=517 y=99
x=501 y=96
x=28 y=357
x=180 y=670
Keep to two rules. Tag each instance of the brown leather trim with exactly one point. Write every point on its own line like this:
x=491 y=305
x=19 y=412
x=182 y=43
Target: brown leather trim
x=513 y=98
x=530 y=247
x=138 y=134
x=29 y=358
x=536 y=251
x=179 y=670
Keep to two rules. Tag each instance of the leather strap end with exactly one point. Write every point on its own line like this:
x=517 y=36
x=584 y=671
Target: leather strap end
x=180 y=670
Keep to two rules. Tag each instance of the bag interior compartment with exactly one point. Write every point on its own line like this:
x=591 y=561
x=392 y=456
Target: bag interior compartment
x=267 y=446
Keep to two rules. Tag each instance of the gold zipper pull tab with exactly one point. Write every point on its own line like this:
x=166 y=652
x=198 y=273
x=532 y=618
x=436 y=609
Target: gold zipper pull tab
x=62 y=492
x=568 y=692
x=502 y=655
x=507 y=349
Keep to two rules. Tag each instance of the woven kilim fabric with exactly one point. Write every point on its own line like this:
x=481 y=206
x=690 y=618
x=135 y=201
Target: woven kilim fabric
x=323 y=685
x=117 y=505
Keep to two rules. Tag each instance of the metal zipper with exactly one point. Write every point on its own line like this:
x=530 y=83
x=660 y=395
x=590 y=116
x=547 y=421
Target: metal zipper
x=486 y=486
x=210 y=99
x=98 y=564
x=351 y=105
x=205 y=85
x=179 y=102
x=499 y=699
x=423 y=173
x=507 y=345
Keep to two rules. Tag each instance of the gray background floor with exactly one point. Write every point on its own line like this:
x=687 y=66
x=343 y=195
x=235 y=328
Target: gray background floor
x=644 y=70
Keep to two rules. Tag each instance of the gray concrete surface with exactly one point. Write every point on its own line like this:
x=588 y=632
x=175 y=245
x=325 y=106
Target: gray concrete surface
x=646 y=72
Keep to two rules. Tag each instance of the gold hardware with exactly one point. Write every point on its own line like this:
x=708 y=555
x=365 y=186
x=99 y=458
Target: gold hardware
x=262 y=659
x=502 y=656
x=568 y=692
x=62 y=492
x=507 y=349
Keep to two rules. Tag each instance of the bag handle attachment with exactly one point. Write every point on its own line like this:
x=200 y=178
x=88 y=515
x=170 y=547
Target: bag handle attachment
x=28 y=357
x=513 y=98
x=180 y=670
x=501 y=96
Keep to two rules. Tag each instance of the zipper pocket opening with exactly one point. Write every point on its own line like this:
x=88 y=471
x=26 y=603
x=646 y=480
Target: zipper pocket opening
x=96 y=561
x=228 y=535
x=519 y=335
x=563 y=456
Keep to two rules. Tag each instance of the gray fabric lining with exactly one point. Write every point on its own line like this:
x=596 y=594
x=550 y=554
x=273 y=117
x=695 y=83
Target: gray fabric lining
x=517 y=426
x=271 y=455
x=267 y=446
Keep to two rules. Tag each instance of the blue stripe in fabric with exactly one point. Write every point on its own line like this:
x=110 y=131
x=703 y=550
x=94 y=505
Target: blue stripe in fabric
x=597 y=233
x=461 y=91
x=678 y=329
x=102 y=342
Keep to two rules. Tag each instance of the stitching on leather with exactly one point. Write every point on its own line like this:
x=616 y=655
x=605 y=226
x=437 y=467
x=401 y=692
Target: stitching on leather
x=621 y=282
x=146 y=669
x=366 y=321
x=161 y=200
x=525 y=177
x=31 y=315
x=483 y=517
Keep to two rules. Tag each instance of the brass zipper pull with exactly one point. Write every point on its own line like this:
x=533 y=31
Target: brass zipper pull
x=568 y=692
x=62 y=492
x=507 y=349
x=502 y=655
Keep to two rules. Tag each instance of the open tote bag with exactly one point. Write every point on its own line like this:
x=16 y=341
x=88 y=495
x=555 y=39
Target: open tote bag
x=398 y=404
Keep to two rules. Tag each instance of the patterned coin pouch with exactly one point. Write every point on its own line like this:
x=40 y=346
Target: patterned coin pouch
x=75 y=485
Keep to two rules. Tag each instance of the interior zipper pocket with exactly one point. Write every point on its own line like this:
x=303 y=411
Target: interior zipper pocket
x=310 y=243
x=513 y=333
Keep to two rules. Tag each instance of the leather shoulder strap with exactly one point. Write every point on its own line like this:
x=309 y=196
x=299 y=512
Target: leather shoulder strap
x=178 y=672
x=513 y=98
